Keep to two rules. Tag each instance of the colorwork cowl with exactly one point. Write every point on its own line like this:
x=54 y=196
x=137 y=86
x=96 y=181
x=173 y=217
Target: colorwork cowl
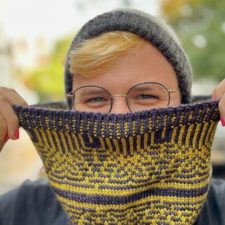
x=152 y=167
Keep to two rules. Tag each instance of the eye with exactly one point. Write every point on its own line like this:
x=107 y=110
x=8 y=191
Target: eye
x=147 y=96
x=97 y=99
x=145 y=99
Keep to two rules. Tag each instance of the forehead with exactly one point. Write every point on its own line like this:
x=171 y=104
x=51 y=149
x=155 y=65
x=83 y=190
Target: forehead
x=141 y=64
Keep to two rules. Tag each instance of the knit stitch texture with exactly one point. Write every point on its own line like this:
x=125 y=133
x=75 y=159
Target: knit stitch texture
x=151 y=167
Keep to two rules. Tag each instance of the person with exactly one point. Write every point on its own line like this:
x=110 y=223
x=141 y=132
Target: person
x=123 y=62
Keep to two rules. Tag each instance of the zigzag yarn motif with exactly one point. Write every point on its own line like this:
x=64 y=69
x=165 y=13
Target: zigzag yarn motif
x=151 y=167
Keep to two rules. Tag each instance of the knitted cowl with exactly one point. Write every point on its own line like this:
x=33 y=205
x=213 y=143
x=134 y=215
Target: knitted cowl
x=151 y=167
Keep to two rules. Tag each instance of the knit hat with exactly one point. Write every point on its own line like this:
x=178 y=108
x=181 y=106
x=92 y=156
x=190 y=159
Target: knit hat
x=146 y=26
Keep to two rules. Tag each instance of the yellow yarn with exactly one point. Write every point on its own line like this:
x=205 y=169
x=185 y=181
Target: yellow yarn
x=152 y=167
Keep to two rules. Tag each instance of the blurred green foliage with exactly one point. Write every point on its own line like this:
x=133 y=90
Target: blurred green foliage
x=200 y=24
x=47 y=79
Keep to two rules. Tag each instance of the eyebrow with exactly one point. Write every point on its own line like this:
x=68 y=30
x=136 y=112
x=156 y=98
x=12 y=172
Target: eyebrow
x=142 y=88
x=92 y=91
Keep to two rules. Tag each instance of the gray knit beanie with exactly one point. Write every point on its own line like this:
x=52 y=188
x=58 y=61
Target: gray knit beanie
x=145 y=26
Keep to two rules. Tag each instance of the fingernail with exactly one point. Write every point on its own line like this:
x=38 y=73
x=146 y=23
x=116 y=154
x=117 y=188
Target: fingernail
x=16 y=134
x=222 y=120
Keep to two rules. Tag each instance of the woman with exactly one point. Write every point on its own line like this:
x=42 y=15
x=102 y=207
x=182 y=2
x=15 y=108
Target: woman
x=120 y=62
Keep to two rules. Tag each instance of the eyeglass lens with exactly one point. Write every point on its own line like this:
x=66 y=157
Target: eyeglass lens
x=140 y=97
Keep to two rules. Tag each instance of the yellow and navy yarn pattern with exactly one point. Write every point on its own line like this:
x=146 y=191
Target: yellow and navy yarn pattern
x=151 y=167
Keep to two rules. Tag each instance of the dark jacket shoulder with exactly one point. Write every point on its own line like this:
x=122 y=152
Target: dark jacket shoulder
x=31 y=203
x=213 y=211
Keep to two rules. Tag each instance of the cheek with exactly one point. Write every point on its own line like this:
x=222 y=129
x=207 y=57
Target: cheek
x=175 y=99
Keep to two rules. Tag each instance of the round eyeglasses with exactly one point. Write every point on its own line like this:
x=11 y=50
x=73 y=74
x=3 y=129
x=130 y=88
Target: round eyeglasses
x=140 y=97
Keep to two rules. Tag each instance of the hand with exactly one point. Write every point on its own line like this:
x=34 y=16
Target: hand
x=9 y=124
x=219 y=94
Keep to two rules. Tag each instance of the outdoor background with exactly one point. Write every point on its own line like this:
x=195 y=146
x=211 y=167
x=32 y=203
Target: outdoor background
x=34 y=37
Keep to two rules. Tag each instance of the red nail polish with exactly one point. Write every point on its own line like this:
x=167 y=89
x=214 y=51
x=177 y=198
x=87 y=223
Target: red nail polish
x=222 y=120
x=16 y=134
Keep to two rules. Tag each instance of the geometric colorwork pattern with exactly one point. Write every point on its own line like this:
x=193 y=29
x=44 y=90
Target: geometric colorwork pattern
x=151 y=167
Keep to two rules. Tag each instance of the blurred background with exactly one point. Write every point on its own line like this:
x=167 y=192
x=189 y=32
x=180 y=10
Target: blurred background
x=34 y=37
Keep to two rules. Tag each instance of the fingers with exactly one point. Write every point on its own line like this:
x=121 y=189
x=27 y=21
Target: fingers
x=219 y=94
x=9 y=123
x=12 y=96
x=222 y=109
x=219 y=91
x=3 y=132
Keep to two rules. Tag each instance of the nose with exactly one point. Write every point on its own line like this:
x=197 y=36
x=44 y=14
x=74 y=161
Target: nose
x=119 y=105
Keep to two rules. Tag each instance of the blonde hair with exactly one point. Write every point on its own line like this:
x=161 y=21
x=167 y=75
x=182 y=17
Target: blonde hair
x=95 y=56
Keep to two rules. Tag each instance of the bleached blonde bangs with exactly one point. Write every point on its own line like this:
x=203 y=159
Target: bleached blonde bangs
x=95 y=56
